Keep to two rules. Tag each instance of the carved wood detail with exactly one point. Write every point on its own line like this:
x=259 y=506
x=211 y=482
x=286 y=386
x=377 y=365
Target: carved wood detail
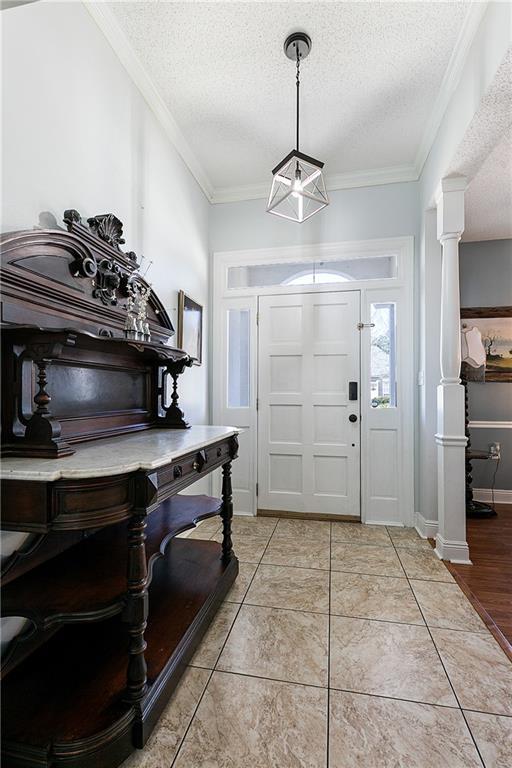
x=75 y=279
x=43 y=432
x=174 y=416
x=108 y=228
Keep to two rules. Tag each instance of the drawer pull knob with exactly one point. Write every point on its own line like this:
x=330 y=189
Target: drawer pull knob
x=177 y=471
x=200 y=461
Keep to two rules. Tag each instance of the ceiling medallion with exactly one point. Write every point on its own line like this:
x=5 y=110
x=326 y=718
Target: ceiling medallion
x=298 y=186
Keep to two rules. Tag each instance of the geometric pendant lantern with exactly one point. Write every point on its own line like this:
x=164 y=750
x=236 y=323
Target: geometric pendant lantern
x=298 y=186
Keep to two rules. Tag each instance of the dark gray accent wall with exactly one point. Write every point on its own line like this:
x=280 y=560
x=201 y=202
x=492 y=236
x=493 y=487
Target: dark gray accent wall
x=486 y=281
x=486 y=274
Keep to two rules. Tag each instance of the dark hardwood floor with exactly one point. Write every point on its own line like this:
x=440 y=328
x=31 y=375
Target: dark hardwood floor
x=488 y=582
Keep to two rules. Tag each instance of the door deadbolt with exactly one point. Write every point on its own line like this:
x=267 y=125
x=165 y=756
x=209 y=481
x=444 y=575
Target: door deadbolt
x=352 y=417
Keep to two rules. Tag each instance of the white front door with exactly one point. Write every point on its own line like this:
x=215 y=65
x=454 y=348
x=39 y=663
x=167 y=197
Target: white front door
x=308 y=411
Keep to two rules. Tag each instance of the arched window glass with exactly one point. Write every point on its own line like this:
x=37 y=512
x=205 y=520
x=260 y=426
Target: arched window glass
x=314 y=278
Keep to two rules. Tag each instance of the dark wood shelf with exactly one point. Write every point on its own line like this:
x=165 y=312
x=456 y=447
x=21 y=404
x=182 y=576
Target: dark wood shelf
x=80 y=673
x=67 y=589
x=149 y=350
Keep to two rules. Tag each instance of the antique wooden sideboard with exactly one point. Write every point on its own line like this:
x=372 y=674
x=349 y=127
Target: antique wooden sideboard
x=95 y=454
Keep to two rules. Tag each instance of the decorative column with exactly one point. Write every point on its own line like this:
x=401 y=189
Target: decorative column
x=451 y=440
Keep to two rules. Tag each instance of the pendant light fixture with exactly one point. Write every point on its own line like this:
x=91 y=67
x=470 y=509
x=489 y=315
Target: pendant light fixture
x=298 y=187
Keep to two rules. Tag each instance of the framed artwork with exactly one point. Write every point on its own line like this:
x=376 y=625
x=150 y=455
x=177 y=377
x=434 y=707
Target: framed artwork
x=495 y=325
x=190 y=327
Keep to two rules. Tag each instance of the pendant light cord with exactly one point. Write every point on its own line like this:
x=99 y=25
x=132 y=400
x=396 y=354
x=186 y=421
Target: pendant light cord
x=298 y=87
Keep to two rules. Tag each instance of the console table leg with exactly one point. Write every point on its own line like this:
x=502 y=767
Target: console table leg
x=226 y=511
x=137 y=608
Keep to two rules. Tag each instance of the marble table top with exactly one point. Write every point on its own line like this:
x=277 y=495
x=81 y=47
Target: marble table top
x=146 y=450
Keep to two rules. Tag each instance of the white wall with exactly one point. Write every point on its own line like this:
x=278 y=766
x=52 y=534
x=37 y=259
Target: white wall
x=389 y=210
x=78 y=134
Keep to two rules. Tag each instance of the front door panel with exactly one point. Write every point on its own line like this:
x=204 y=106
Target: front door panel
x=309 y=449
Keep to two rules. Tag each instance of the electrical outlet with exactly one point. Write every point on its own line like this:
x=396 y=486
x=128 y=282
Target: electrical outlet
x=495 y=451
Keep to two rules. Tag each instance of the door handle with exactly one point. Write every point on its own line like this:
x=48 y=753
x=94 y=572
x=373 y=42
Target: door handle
x=352 y=417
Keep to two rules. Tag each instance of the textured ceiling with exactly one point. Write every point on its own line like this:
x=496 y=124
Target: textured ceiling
x=369 y=84
x=485 y=158
x=488 y=199
x=489 y=124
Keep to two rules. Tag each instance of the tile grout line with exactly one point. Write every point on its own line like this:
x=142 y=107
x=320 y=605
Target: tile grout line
x=355 y=573
x=442 y=664
x=254 y=676
x=182 y=741
x=316 y=687
x=211 y=671
x=282 y=608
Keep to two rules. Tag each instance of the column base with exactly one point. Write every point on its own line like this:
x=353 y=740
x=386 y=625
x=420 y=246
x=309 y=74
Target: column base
x=453 y=551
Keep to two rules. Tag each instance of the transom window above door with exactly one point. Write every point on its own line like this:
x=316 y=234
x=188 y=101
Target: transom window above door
x=381 y=267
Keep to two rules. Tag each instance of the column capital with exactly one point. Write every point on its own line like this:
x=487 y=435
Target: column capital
x=450 y=207
x=449 y=236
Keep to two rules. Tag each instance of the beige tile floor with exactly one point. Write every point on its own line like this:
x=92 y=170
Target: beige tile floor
x=339 y=646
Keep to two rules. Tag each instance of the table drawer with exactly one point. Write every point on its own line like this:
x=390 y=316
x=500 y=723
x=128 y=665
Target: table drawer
x=188 y=469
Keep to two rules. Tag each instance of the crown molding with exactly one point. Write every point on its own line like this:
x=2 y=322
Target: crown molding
x=108 y=24
x=121 y=46
x=368 y=178
x=450 y=80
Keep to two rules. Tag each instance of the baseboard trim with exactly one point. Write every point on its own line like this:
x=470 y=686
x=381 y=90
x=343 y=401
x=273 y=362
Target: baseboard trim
x=427 y=529
x=387 y=523
x=454 y=551
x=501 y=496
x=307 y=515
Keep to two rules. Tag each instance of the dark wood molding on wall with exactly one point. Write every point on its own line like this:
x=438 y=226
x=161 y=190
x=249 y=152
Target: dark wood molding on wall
x=468 y=312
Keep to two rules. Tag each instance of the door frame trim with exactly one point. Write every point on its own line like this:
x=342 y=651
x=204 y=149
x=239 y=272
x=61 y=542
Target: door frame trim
x=403 y=247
